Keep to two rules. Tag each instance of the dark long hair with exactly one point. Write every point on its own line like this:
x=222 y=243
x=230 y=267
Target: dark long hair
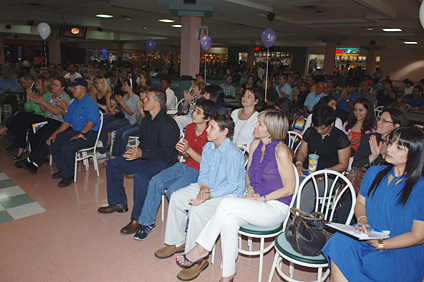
x=290 y=110
x=369 y=121
x=217 y=94
x=413 y=139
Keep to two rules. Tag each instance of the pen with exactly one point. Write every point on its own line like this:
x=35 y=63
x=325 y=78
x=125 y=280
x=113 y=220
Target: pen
x=370 y=228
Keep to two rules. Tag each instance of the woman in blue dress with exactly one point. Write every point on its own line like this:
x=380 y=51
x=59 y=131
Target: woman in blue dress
x=391 y=198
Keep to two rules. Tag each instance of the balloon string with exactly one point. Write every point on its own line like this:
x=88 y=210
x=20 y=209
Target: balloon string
x=266 y=76
x=205 y=67
x=45 y=53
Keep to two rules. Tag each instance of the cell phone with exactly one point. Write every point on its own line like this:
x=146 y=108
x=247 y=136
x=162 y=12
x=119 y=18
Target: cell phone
x=306 y=173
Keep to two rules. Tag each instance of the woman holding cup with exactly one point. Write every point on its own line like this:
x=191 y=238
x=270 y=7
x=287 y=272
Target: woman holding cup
x=323 y=147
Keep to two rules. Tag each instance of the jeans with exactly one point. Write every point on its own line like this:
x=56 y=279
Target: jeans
x=121 y=138
x=174 y=178
x=143 y=171
x=63 y=149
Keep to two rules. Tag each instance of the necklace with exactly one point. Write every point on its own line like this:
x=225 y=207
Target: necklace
x=244 y=123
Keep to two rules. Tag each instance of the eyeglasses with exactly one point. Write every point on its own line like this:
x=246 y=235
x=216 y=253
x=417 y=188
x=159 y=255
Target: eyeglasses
x=384 y=120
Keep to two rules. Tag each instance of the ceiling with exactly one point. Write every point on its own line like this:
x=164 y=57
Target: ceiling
x=298 y=23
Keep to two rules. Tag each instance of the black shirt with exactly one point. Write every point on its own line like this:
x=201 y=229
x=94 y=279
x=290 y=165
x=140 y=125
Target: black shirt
x=158 y=138
x=327 y=148
x=361 y=158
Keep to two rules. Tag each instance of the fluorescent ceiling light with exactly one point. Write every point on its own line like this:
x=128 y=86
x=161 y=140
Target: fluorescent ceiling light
x=411 y=42
x=166 y=21
x=176 y=25
x=392 y=29
x=104 y=16
x=370 y=28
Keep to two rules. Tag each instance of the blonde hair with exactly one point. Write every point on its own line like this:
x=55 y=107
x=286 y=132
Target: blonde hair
x=106 y=89
x=46 y=85
x=276 y=123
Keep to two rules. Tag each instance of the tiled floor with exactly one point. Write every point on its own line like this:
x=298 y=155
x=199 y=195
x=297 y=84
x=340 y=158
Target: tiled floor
x=72 y=242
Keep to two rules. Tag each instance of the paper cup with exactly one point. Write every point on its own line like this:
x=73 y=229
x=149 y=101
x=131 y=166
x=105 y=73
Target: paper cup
x=313 y=162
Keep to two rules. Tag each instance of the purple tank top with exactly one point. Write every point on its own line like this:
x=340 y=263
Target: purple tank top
x=264 y=176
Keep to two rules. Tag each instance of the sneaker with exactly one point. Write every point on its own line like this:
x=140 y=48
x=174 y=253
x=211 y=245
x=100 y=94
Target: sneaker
x=100 y=155
x=143 y=231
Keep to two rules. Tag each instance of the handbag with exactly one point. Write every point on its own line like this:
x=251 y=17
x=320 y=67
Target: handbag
x=355 y=176
x=306 y=232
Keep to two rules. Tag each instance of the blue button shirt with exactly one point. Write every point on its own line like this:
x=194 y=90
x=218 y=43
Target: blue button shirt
x=222 y=169
x=286 y=89
x=311 y=100
x=343 y=105
x=11 y=84
x=79 y=112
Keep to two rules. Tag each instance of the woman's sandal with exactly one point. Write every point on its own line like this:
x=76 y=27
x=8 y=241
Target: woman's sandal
x=17 y=157
x=188 y=263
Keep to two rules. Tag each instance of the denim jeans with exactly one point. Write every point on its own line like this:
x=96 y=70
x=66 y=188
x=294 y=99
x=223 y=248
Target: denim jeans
x=121 y=138
x=174 y=178
x=111 y=124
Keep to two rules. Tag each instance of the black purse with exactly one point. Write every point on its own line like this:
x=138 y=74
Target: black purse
x=306 y=232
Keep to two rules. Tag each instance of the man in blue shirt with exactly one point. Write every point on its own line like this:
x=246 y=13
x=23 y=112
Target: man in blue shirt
x=283 y=88
x=414 y=100
x=222 y=174
x=313 y=98
x=7 y=84
x=78 y=131
x=346 y=100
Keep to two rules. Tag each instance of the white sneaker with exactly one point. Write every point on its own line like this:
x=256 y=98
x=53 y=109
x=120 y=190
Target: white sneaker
x=100 y=155
x=99 y=144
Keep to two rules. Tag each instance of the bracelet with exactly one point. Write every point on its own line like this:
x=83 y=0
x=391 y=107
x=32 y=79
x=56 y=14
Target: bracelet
x=265 y=200
x=210 y=195
x=297 y=163
x=361 y=217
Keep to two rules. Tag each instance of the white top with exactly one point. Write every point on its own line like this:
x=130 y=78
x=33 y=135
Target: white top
x=338 y=124
x=171 y=101
x=72 y=77
x=243 y=131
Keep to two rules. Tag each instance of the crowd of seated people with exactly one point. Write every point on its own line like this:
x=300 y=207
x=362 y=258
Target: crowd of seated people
x=210 y=181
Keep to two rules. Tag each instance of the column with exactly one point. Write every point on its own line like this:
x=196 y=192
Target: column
x=54 y=47
x=329 y=59
x=371 y=55
x=119 y=48
x=250 y=57
x=2 y=60
x=190 y=46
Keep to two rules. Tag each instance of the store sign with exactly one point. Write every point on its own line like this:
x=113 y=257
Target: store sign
x=343 y=51
x=279 y=55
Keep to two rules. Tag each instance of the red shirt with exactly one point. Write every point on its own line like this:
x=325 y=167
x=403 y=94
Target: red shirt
x=196 y=143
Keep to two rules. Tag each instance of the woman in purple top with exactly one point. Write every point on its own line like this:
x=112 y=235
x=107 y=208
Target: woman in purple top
x=270 y=184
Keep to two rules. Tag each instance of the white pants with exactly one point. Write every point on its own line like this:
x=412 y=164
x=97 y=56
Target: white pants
x=198 y=216
x=229 y=216
x=183 y=121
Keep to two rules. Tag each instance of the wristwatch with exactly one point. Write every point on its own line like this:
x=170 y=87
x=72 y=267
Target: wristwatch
x=380 y=246
x=83 y=134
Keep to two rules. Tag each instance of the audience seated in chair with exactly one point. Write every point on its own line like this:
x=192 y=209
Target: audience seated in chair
x=158 y=135
x=78 y=131
x=181 y=174
x=221 y=176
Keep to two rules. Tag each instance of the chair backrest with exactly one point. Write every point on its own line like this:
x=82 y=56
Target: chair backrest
x=332 y=195
x=296 y=191
x=294 y=140
x=98 y=133
x=349 y=166
x=180 y=104
x=245 y=151
x=378 y=111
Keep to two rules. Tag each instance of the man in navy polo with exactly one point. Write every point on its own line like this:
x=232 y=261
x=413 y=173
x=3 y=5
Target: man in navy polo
x=78 y=131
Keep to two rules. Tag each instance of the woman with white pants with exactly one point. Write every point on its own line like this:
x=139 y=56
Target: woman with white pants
x=270 y=184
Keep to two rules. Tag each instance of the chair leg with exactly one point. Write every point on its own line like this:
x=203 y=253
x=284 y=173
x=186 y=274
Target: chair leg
x=291 y=269
x=273 y=267
x=249 y=243
x=319 y=278
x=163 y=207
x=96 y=165
x=51 y=160
x=213 y=255
x=75 y=168
x=261 y=259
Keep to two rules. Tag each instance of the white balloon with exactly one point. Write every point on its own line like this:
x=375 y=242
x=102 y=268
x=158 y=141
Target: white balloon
x=44 y=30
x=422 y=14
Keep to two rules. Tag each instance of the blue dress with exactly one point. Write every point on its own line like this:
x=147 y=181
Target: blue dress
x=358 y=260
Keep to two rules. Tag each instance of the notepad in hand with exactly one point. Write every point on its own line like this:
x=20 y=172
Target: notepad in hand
x=348 y=230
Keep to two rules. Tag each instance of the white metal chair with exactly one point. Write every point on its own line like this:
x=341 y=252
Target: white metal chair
x=174 y=111
x=294 y=138
x=283 y=248
x=245 y=151
x=262 y=233
x=85 y=154
x=378 y=111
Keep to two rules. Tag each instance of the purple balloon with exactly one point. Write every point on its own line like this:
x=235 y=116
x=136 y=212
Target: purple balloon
x=206 y=43
x=150 y=45
x=268 y=37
